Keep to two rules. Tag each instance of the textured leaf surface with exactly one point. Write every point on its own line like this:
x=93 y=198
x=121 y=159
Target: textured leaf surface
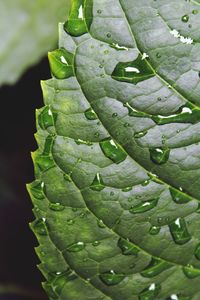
x=28 y=30
x=116 y=194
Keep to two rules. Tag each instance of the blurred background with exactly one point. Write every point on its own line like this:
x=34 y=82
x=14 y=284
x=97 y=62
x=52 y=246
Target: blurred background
x=28 y=29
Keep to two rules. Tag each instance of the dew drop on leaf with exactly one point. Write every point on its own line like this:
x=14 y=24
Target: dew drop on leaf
x=80 y=18
x=97 y=184
x=197 y=252
x=140 y=134
x=111 y=278
x=39 y=226
x=154 y=230
x=159 y=155
x=90 y=114
x=113 y=151
x=133 y=71
x=179 y=197
x=61 y=63
x=151 y=292
x=46 y=118
x=191 y=272
x=79 y=246
x=179 y=231
x=143 y=207
x=155 y=267
x=185 y=18
x=127 y=248
x=56 y=207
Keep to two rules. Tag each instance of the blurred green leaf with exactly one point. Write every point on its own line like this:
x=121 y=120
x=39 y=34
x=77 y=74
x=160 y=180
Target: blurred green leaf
x=28 y=29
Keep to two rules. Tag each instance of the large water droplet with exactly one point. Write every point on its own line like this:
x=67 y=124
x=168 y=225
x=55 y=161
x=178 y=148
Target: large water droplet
x=90 y=114
x=101 y=224
x=179 y=197
x=113 y=151
x=97 y=184
x=59 y=279
x=56 y=206
x=191 y=272
x=197 y=252
x=80 y=18
x=159 y=155
x=140 y=134
x=46 y=118
x=127 y=248
x=151 y=292
x=111 y=278
x=185 y=114
x=36 y=190
x=82 y=142
x=185 y=18
x=134 y=71
x=155 y=267
x=39 y=226
x=179 y=231
x=154 y=230
x=144 y=206
x=61 y=63
x=76 y=247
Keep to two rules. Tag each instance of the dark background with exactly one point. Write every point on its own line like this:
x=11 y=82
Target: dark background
x=17 y=122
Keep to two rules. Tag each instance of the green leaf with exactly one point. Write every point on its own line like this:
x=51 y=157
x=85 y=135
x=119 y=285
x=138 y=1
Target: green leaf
x=119 y=154
x=28 y=30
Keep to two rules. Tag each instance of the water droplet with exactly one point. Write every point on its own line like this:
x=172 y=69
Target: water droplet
x=39 y=226
x=36 y=190
x=185 y=18
x=197 y=252
x=155 y=267
x=114 y=115
x=112 y=193
x=158 y=55
x=134 y=71
x=111 y=278
x=191 y=272
x=70 y=222
x=59 y=279
x=179 y=231
x=101 y=224
x=82 y=142
x=127 y=189
x=154 y=230
x=48 y=145
x=96 y=243
x=151 y=292
x=108 y=35
x=76 y=247
x=145 y=183
x=140 y=134
x=144 y=206
x=106 y=52
x=99 y=11
x=46 y=118
x=56 y=207
x=118 y=47
x=159 y=155
x=195 y=11
x=97 y=184
x=179 y=197
x=134 y=112
x=80 y=18
x=185 y=114
x=90 y=114
x=126 y=124
x=127 y=248
x=113 y=151
x=61 y=63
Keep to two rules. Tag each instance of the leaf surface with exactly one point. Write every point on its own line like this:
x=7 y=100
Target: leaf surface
x=116 y=194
